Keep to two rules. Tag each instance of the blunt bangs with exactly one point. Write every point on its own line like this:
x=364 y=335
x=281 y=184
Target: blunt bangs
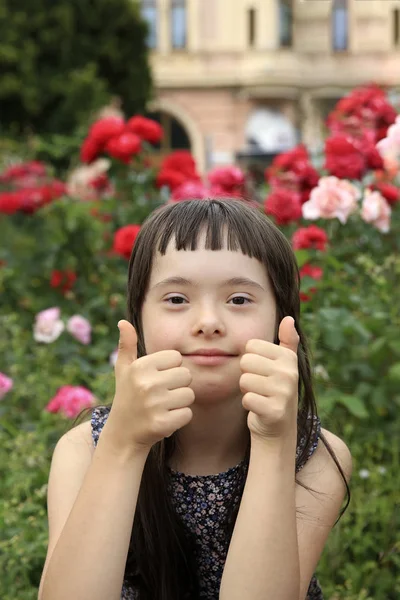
x=226 y=224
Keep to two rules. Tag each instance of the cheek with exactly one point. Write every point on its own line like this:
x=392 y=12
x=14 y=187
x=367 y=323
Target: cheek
x=160 y=335
x=257 y=330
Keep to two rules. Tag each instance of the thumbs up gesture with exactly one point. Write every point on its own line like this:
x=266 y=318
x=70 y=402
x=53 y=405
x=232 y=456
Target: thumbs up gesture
x=152 y=394
x=269 y=382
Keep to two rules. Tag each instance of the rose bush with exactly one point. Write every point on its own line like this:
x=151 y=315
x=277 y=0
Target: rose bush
x=63 y=265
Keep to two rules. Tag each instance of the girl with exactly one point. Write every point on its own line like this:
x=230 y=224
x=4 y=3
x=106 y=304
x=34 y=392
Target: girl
x=211 y=478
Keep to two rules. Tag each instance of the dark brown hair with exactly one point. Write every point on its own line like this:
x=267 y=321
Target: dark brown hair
x=161 y=560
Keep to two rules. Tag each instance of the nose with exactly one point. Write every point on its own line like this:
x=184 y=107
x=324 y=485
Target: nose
x=208 y=321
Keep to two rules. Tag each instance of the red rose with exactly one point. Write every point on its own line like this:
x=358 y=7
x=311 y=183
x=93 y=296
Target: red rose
x=312 y=271
x=64 y=279
x=228 y=179
x=104 y=129
x=32 y=168
x=89 y=150
x=388 y=191
x=124 y=240
x=316 y=273
x=9 y=203
x=293 y=170
x=284 y=205
x=172 y=179
x=373 y=158
x=343 y=159
x=181 y=161
x=124 y=147
x=310 y=237
x=146 y=129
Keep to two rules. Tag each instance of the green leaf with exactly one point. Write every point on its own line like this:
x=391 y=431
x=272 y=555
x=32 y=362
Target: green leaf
x=354 y=405
x=394 y=372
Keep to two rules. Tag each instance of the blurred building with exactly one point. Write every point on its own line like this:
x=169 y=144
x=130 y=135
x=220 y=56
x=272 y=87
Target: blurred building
x=248 y=78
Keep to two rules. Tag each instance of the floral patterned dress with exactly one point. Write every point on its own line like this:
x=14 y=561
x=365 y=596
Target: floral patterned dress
x=201 y=501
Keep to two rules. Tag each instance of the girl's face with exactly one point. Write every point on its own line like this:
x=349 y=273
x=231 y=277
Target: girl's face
x=208 y=300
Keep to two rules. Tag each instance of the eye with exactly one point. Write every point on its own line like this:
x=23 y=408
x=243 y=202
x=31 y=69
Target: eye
x=179 y=298
x=241 y=298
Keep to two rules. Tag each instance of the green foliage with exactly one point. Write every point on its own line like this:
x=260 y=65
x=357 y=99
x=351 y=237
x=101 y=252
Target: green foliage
x=352 y=322
x=60 y=61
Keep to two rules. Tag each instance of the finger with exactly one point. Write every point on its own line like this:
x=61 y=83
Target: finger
x=254 y=363
x=178 y=377
x=254 y=402
x=288 y=336
x=258 y=384
x=263 y=348
x=127 y=345
x=162 y=360
x=180 y=398
x=178 y=418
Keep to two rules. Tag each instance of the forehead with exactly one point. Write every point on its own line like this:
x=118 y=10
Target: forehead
x=204 y=263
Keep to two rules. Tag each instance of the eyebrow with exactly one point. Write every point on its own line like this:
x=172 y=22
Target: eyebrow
x=234 y=281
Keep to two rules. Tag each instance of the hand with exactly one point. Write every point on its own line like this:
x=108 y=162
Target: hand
x=270 y=384
x=152 y=394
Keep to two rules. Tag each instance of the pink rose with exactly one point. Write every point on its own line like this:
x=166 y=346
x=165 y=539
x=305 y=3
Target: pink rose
x=376 y=210
x=228 y=178
x=80 y=329
x=70 y=401
x=5 y=385
x=48 y=325
x=332 y=198
x=113 y=357
x=190 y=190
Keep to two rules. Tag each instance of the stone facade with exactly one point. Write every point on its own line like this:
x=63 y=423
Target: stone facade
x=244 y=57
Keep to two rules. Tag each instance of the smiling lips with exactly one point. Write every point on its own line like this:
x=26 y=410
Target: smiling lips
x=209 y=357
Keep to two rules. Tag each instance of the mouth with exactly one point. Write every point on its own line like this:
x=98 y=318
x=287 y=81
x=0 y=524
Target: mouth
x=209 y=352
x=209 y=358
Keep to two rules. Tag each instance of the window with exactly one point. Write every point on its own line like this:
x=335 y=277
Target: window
x=285 y=23
x=175 y=136
x=340 y=25
x=150 y=15
x=396 y=26
x=178 y=24
x=251 y=23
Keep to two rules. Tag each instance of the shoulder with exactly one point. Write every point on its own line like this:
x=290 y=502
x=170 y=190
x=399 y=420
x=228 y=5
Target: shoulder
x=339 y=448
x=79 y=437
x=321 y=465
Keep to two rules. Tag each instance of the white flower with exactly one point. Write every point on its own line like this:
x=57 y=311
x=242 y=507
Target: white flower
x=364 y=473
x=48 y=326
x=382 y=470
x=321 y=372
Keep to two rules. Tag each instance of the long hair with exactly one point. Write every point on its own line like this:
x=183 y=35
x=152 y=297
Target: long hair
x=160 y=560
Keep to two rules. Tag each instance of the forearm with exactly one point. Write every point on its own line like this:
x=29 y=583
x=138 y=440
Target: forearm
x=90 y=556
x=263 y=561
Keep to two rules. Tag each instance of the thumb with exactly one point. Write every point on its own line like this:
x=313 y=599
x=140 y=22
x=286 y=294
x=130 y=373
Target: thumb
x=287 y=334
x=127 y=346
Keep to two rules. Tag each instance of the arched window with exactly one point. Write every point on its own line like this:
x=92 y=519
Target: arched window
x=340 y=26
x=175 y=135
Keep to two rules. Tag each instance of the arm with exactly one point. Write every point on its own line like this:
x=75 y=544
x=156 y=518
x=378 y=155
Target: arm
x=263 y=558
x=262 y=563
x=88 y=560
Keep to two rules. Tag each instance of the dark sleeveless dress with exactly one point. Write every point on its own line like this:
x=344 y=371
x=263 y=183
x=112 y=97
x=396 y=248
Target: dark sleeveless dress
x=200 y=501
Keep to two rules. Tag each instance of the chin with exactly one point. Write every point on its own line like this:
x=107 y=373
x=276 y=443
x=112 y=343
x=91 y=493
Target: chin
x=209 y=393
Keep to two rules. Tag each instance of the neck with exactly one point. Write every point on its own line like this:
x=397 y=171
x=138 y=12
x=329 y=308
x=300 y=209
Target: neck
x=215 y=439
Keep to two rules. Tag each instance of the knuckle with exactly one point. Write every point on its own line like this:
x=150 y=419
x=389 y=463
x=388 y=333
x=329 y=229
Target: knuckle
x=145 y=386
x=277 y=412
x=245 y=379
